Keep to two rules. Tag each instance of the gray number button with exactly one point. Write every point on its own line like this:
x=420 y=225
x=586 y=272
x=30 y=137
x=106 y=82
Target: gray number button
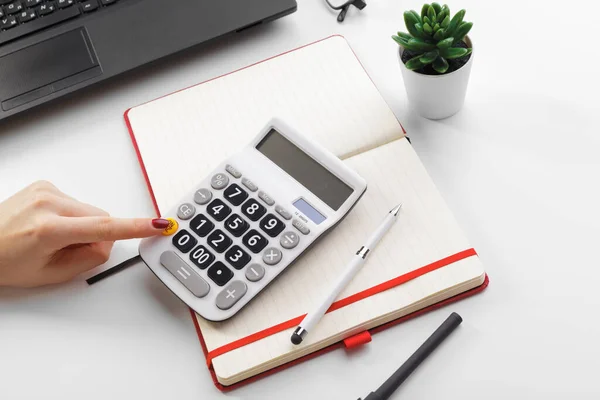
x=266 y=198
x=231 y=295
x=289 y=240
x=219 y=181
x=283 y=212
x=249 y=184
x=300 y=226
x=184 y=274
x=186 y=211
x=202 y=196
x=232 y=171
x=272 y=256
x=255 y=272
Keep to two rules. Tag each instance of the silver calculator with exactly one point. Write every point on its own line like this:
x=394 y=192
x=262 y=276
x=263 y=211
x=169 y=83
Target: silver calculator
x=250 y=219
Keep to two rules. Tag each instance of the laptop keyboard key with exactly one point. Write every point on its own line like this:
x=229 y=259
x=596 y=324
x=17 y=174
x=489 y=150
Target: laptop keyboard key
x=27 y=16
x=89 y=6
x=65 y=3
x=8 y=22
x=14 y=7
x=32 y=3
x=107 y=2
x=46 y=8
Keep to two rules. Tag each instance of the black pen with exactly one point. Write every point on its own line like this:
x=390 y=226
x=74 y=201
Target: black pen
x=385 y=391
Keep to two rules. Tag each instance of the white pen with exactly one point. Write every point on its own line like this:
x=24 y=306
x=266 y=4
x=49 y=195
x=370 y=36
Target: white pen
x=352 y=268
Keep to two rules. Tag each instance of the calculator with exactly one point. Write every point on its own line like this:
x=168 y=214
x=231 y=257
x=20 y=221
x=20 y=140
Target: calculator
x=254 y=215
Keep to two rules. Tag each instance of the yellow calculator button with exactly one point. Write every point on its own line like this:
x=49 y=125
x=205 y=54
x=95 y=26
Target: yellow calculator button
x=172 y=228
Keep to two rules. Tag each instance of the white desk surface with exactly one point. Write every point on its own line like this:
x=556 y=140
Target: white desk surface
x=519 y=166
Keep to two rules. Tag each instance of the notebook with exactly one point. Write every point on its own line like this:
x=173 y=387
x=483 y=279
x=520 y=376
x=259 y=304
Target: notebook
x=322 y=90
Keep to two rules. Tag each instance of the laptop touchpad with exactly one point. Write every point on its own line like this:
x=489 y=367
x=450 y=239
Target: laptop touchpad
x=46 y=67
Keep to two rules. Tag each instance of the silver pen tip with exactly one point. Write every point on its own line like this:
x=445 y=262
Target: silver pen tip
x=394 y=211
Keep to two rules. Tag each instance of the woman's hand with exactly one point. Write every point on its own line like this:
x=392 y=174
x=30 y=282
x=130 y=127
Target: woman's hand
x=48 y=237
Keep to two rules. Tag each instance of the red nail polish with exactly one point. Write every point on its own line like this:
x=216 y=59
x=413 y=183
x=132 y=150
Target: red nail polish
x=160 y=223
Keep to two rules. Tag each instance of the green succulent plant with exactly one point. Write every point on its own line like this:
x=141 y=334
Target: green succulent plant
x=434 y=37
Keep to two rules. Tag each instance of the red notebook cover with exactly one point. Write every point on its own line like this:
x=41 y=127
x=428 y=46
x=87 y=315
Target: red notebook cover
x=353 y=341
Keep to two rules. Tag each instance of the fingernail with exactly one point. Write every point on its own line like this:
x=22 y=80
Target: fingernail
x=160 y=223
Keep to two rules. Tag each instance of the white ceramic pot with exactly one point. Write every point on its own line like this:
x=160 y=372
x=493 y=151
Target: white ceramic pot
x=437 y=96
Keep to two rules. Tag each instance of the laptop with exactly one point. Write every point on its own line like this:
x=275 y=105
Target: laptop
x=49 y=48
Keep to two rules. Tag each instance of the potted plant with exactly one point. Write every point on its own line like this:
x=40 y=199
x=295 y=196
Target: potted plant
x=435 y=59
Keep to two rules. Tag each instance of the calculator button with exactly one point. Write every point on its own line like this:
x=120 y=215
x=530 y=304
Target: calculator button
x=253 y=210
x=289 y=240
x=186 y=211
x=283 y=212
x=219 y=273
x=235 y=194
x=271 y=225
x=202 y=257
x=255 y=241
x=231 y=295
x=172 y=228
x=219 y=181
x=255 y=272
x=202 y=196
x=236 y=225
x=218 y=210
x=266 y=198
x=237 y=257
x=232 y=171
x=184 y=274
x=184 y=241
x=249 y=184
x=272 y=256
x=219 y=241
x=301 y=226
x=201 y=225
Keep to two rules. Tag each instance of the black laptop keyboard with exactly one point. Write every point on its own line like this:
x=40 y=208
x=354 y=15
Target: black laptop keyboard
x=22 y=17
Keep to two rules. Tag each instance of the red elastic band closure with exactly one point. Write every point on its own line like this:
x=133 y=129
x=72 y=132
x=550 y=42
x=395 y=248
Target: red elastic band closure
x=357 y=340
x=292 y=323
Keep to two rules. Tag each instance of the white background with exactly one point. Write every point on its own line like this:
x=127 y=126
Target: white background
x=519 y=166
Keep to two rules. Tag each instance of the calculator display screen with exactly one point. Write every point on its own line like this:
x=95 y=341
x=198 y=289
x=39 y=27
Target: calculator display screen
x=312 y=175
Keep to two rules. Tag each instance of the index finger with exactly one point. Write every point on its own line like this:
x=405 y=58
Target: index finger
x=71 y=230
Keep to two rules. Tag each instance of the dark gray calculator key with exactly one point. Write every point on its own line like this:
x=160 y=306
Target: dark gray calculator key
x=219 y=241
x=219 y=181
x=237 y=257
x=266 y=198
x=232 y=171
x=283 y=212
x=184 y=241
x=201 y=225
x=202 y=196
x=236 y=225
x=272 y=225
x=235 y=194
x=219 y=273
x=255 y=272
x=249 y=184
x=186 y=211
x=289 y=240
x=253 y=210
x=272 y=256
x=254 y=241
x=231 y=295
x=218 y=210
x=184 y=274
x=202 y=257
x=301 y=226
